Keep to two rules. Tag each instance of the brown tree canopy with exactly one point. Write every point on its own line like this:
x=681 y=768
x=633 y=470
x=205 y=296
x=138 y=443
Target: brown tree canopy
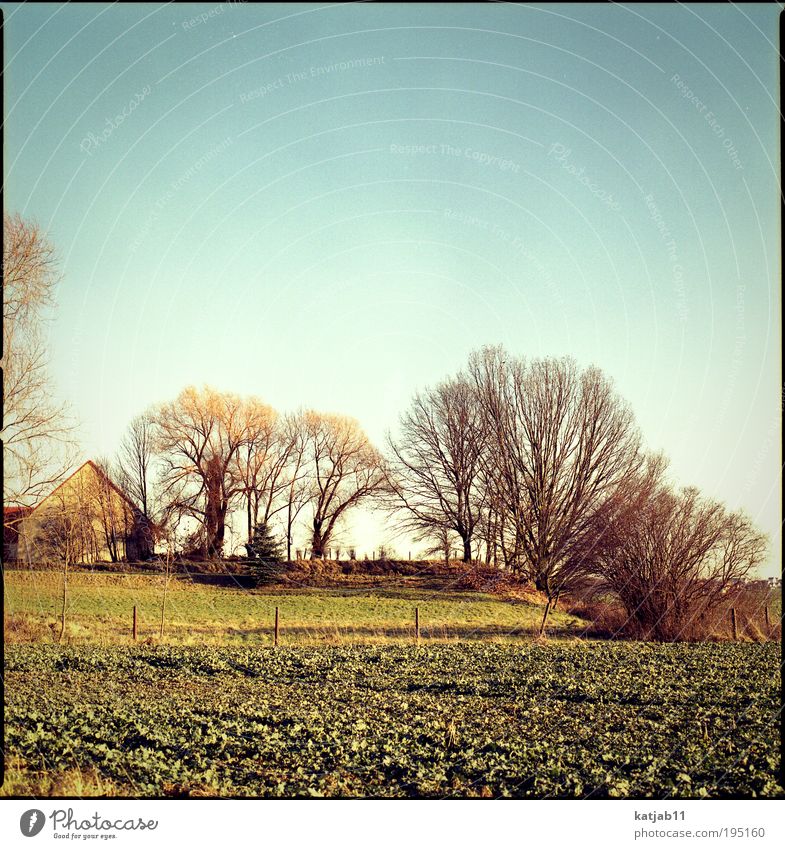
x=435 y=463
x=38 y=445
x=135 y=462
x=199 y=437
x=560 y=444
x=259 y=464
x=672 y=560
x=345 y=469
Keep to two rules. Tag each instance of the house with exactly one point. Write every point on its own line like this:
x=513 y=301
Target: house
x=86 y=519
x=12 y=519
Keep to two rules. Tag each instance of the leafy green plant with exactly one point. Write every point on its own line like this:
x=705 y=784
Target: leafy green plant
x=481 y=720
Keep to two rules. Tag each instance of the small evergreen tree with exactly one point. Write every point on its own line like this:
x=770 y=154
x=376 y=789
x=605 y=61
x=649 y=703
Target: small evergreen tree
x=265 y=554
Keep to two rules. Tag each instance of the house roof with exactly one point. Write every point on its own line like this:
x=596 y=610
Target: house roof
x=100 y=472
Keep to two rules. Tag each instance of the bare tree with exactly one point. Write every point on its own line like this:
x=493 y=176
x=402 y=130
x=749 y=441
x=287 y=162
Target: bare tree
x=135 y=461
x=442 y=544
x=345 y=468
x=63 y=532
x=561 y=443
x=134 y=472
x=672 y=561
x=297 y=489
x=57 y=539
x=198 y=437
x=435 y=463
x=261 y=465
x=167 y=532
x=38 y=437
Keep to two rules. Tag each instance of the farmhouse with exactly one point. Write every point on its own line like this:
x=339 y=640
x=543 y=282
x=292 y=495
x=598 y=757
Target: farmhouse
x=86 y=519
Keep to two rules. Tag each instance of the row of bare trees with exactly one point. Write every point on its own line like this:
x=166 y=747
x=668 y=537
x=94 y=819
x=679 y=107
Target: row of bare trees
x=540 y=467
x=207 y=454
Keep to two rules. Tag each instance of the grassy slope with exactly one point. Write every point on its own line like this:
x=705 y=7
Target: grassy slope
x=100 y=609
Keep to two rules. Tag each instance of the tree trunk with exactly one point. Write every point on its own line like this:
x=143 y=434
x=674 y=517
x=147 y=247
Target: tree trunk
x=505 y=552
x=250 y=525
x=289 y=532
x=467 y=549
x=214 y=518
x=319 y=542
x=541 y=581
x=216 y=531
x=220 y=533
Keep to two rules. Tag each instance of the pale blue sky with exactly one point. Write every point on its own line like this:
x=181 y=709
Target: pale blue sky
x=256 y=222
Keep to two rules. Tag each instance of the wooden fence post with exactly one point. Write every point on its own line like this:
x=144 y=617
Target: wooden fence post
x=134 y=621
x=545 y=617
x=768 y=624
x=417 y=625
x=275 y=639
x=733 y=623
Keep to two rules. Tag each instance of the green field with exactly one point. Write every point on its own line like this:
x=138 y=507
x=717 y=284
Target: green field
x=475 y=720
x=100 y=611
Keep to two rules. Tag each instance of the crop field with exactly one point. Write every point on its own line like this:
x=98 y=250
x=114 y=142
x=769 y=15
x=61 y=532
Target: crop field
x=100 y=611
x=474 y=720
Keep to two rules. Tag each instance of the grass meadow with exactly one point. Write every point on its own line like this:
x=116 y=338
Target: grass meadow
x=100 y=610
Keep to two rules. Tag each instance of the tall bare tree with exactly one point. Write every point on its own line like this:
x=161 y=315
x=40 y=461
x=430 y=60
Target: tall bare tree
x=297 y=490
x=198 y=437
x=135 y=461
x=345 y=470
x=135 y=475
x=260 y=465
x=38 y=435
x=435 y=463
x=561 y=443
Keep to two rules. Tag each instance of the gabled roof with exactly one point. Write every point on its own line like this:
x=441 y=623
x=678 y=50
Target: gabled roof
x=101 y=474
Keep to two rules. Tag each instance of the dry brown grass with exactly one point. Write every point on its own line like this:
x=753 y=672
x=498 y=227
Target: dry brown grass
x=609 y=619
x=24 y=628
x=84 y=783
